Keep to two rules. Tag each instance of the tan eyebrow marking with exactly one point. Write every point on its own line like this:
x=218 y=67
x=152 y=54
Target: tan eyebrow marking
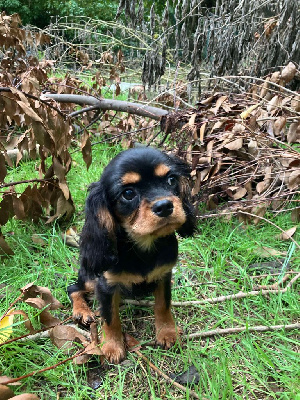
x=131 y=177
x=161 y=170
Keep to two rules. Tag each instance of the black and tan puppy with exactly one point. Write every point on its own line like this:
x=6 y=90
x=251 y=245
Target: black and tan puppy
x=128 y=243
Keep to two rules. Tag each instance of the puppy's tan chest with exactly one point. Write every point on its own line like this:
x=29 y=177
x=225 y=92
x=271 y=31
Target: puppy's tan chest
x=128 y=279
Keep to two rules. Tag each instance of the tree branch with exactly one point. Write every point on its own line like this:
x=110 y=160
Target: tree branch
x=219 y=299
x=257 y=328
x=108 y=104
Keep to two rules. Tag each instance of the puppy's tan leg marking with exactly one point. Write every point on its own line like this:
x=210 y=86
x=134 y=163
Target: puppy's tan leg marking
x=113 y=347
x=81 y=311
x=166 y=331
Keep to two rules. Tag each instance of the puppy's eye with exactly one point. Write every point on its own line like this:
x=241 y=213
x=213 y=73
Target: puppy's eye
x=172 y=180
x=129 y=194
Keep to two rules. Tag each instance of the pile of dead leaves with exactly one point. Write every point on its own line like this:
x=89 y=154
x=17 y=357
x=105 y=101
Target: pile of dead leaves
x=243 y=147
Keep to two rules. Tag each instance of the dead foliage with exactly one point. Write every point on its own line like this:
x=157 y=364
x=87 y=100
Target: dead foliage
x=232 y=141
x=239 y=146
x=35 y=128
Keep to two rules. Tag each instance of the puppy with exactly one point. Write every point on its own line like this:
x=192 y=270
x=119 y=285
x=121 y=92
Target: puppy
x=128 y=244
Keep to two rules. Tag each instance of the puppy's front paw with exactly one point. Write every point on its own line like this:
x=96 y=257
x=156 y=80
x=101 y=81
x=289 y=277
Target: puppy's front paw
x=83 y=315
x=168 y=335
x=113 y=350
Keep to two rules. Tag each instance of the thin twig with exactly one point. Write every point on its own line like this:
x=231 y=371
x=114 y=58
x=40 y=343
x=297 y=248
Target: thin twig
x=276 y=284
x=219 y=299
x=271 y=223
x=25 y=181
x=228 y=331
x=83 y=110
x=9 y=381
x=41 y=333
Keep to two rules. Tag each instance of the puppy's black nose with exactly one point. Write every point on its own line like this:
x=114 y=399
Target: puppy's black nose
x=163 y=208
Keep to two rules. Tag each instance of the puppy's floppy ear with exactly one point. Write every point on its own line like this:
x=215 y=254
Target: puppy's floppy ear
x=190 y=225
x=98 y=238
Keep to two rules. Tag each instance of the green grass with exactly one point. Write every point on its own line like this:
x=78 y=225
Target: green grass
x=216 y=262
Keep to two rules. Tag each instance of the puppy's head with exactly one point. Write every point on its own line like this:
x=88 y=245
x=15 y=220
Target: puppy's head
x=144 y=192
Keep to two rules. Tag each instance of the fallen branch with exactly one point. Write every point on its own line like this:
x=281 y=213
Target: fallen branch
x=108 y=104
x=219 y=299
x=228 y=331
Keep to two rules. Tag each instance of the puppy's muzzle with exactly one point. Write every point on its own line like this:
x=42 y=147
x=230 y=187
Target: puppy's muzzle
x=163 y=208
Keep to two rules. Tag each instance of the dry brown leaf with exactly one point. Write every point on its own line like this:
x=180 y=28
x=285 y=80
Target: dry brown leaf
x=295 y=217
x=40 y=297
x=90 y=350
x=288 y=72
x=264 y=88
x=294 y=180
x=238 y=128
x=263 y=186
x=236 y=192
x=259 y=211
x=286 y=235
x=275 y=77
x=293 y=135
x=25 y=396
x=265 y=252
x=219 y=102
x=5 y=250
x=202 y=131
x=5 y=378
x=47 y=319
x=235 y=144
x=295 y=103
x=273 y=104
x=30 y=112
x=5 y=392
x=27 y=323
x=131 y=343
x=279 y=125
x=65 y=336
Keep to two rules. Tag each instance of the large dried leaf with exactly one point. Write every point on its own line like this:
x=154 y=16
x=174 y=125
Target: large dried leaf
x=5 y=392
x=288 y=234
x=294 y=180
x=266 y=252
x=289 y=72
x=40 y=297
x=65 y=336
x=235 y=144
x=293 y=135
x=5 y=250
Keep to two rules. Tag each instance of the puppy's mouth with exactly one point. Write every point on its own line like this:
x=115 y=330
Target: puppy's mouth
x=165 y=227
x=153 y=220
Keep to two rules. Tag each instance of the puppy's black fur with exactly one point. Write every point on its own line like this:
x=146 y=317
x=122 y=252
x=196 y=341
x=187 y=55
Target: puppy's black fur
x=128 y=244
